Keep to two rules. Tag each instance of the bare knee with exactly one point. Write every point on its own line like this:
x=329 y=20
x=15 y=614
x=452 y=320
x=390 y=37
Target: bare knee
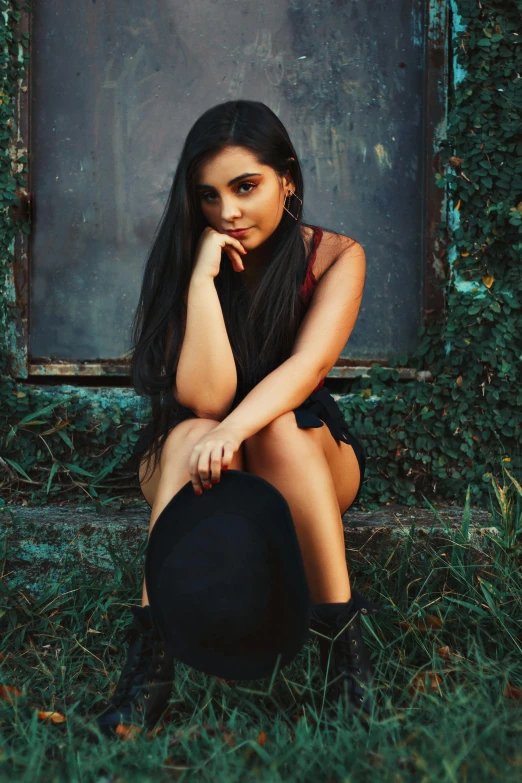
x=175 y=454
x=182 y=438
x=280 y=436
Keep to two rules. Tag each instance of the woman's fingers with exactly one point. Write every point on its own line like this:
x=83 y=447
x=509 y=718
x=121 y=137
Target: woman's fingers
x=240 y=264
x=241 y=250
x=207 y=463
x=194 y=471
x=228 y=453
x=235 y=258
x=238 y=251
x=203 y=468
x=216 y=456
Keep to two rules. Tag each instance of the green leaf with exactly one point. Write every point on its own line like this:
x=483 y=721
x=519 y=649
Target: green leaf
x=63 y=435
x=107 y=469
x=17 y=467
x=471 y=607
x=489 y=598
x=77 y=469
x=11 y=434
x=41 y=412
x=52 y=474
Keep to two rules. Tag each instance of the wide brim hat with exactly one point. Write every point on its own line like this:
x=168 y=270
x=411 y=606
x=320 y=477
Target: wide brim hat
x=242 y=501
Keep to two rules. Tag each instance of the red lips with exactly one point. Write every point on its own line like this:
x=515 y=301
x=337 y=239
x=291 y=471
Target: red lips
x=237 y=230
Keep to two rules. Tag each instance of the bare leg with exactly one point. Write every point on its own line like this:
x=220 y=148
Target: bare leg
x=174 y=468
x=293 y=461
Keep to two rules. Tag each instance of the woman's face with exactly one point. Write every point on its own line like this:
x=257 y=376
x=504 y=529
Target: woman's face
x=235 y=191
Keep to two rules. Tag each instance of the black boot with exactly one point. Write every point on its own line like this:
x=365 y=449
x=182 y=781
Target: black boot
x=344 y=660
x=145 y=683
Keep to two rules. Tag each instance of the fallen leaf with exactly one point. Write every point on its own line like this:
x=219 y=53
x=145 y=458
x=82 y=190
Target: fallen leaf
x=152 y=733
x=511 y=692
x=54 y=717
x=8 y=691
x=127 y=733
x=418 y=685
x=433 y=622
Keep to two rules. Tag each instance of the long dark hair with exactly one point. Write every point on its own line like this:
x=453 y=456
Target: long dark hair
x=262 y=326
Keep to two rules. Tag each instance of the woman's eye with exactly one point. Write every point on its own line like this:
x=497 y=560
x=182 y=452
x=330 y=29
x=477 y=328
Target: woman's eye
x=250 y=185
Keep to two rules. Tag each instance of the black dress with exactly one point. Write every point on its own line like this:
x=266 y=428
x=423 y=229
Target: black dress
x=319 y=407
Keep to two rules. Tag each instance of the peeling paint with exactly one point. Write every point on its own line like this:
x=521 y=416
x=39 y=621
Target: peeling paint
x=463 y=285
x=417 y=27
x=471 y=287
x=383 y=158
x=459 y=73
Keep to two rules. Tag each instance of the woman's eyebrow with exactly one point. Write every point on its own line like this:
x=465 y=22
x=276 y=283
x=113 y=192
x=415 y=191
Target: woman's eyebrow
x=232 y=181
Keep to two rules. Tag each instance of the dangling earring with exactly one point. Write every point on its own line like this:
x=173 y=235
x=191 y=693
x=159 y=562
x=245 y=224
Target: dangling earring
x=289 y=196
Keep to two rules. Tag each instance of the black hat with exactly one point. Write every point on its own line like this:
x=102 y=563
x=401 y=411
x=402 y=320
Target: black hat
x=225 y=578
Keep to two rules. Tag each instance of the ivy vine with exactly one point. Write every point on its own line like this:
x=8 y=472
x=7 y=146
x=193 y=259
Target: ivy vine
x=423 y=438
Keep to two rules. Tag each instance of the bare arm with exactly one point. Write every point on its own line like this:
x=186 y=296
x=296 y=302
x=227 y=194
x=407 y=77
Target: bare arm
x=206 y=377
x=323 y=333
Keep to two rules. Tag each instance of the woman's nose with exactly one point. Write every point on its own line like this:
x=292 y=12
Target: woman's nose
x=230 y=210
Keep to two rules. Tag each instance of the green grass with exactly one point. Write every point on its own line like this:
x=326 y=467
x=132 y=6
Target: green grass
x=446 y=652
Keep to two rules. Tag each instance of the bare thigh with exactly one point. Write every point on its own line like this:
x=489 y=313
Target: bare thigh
x=177 y=449
x=343 y=465
x=340 y=456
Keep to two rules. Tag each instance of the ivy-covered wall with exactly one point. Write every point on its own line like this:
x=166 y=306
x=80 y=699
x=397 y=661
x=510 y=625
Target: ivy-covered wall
x=428 y=439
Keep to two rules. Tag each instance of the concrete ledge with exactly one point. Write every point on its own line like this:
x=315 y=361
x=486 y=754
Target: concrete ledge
x=41 y=545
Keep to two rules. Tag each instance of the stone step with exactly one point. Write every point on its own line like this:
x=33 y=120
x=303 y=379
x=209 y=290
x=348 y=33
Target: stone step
x=43 y=544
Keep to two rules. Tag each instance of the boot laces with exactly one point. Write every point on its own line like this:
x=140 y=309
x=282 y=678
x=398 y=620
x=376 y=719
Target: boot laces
x=348 y=657
x=136 y=668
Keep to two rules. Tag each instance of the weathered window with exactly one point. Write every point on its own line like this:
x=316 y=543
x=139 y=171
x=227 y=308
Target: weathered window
x=113 y=89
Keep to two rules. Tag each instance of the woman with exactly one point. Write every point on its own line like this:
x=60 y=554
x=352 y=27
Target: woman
x=243 y=311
